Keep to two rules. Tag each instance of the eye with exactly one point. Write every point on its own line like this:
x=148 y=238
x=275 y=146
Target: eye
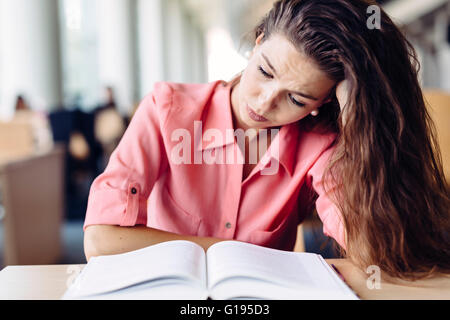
x=265 y=74
x=297 y=103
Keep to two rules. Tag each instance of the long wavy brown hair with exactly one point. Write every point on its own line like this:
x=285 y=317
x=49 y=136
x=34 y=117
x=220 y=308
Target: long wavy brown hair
x=386 y=173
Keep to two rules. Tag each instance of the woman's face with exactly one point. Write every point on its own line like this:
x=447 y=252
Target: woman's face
x=279 y=86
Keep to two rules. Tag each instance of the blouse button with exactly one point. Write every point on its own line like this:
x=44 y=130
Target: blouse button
x=228 y=225
x=133 y=191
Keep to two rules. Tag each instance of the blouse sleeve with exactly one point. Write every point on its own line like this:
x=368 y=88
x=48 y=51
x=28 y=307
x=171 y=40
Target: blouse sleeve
x=328 y=212
x=119 y=195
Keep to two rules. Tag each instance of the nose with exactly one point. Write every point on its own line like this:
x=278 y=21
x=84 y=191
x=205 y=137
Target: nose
x=267 y=99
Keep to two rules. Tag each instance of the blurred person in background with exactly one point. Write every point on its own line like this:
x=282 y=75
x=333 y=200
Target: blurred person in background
x=21 y=104
x=37 y=120
x=109 y=99
x=109 y=125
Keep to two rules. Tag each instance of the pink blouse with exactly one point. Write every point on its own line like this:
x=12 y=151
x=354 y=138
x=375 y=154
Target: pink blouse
x=145 y=183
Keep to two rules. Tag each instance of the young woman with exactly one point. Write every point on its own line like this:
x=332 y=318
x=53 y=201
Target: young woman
x=352 y=137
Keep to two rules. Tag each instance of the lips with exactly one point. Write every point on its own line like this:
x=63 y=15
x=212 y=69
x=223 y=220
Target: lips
x=254 y=116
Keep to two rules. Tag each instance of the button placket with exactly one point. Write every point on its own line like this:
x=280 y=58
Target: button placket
x=233 y=191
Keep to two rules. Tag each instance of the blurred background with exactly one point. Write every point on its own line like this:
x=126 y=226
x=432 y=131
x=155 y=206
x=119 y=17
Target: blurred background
x=72 y=73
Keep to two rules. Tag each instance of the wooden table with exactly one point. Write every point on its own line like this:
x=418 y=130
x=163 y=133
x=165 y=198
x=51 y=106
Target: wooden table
x=50 y=282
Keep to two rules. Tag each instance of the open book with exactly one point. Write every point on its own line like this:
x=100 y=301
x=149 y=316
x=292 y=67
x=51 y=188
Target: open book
x=180 y=269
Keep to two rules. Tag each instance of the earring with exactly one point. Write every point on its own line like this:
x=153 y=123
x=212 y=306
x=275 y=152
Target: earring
x=315 y=113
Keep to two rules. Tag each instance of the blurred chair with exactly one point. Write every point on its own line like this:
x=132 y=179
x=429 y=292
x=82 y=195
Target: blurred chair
x=438 y=104
x=16 y=140
x=33 y=198
x=42 y=135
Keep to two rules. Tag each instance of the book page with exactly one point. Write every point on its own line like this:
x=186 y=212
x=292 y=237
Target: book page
x=238 y=269
x=173 y=261
x=161 y=289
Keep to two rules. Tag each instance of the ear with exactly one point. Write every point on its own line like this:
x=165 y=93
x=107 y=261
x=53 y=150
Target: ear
x=331 y=95
x=258 y=42
x=259 y=39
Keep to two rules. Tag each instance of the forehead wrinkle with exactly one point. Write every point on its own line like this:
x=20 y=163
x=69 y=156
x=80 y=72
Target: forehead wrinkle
x=298 y=76
x=296 y=71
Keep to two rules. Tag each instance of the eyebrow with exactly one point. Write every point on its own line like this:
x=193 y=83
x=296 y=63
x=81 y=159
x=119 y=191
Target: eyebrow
x=295 y=92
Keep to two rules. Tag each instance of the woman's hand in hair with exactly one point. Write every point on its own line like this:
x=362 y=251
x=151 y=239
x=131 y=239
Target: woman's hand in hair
x=342 y=91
